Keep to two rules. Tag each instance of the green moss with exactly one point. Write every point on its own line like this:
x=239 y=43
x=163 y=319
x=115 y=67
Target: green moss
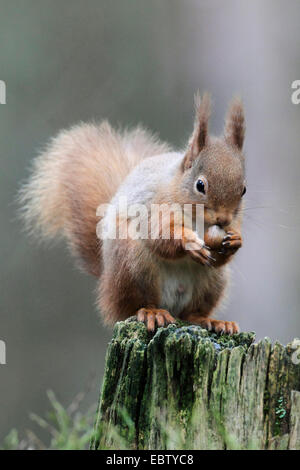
x=280 y=412
x=132 y=329
x=184 y=387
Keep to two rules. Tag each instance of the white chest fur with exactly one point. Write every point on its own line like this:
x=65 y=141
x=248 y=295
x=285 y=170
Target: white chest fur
x=177 y=283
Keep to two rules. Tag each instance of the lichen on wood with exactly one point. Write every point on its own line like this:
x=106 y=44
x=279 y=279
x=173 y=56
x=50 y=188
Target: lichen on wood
x=187 y=388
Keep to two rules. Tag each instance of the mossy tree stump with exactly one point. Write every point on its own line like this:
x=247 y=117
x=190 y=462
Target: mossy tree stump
x=185 y=388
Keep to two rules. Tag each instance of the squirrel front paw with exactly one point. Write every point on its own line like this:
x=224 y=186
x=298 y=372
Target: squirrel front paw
x=232 y=241
x=197 y=250
x=154 y=317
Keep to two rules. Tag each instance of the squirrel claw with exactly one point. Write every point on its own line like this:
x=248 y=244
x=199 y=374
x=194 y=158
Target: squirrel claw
x=218 y=326
x=154 y=317
x=231 y=242
x=201 y=256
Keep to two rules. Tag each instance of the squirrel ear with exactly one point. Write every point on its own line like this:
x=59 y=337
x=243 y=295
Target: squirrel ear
x=199 y=137
x=234 y=131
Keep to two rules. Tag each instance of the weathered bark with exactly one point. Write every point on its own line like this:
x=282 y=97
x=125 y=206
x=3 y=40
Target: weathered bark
x=185 y=388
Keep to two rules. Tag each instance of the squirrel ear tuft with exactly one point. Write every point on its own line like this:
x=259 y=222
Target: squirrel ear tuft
x=234 y=131
x=199 y=137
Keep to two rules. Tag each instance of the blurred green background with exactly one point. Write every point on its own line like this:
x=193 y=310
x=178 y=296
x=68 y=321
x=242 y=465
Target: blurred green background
x=135 y=61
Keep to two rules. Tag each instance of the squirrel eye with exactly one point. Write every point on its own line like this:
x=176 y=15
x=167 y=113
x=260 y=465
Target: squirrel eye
x=200 y=186
x=244 y=191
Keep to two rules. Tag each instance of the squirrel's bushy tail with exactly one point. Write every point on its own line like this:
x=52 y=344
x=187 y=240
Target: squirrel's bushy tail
x=80 y=169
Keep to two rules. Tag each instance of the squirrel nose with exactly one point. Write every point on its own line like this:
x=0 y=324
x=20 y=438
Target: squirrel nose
x=223 y=220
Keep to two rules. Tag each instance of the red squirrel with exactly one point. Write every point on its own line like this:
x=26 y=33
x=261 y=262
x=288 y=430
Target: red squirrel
x=155 y=279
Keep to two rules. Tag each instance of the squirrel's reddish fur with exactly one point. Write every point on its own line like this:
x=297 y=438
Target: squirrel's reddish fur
x=85 y=166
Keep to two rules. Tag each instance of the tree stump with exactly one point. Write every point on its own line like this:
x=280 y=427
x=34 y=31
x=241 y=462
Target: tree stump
x=186 y=388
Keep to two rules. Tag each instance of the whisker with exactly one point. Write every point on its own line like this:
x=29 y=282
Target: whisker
x=262 y=191
x=255 y=207
x=269 y=226
x=255 y=222
x=235 y=266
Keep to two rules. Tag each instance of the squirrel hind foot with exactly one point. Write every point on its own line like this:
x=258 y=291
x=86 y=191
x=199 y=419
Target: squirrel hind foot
x=154 y=318
x=218 y=326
